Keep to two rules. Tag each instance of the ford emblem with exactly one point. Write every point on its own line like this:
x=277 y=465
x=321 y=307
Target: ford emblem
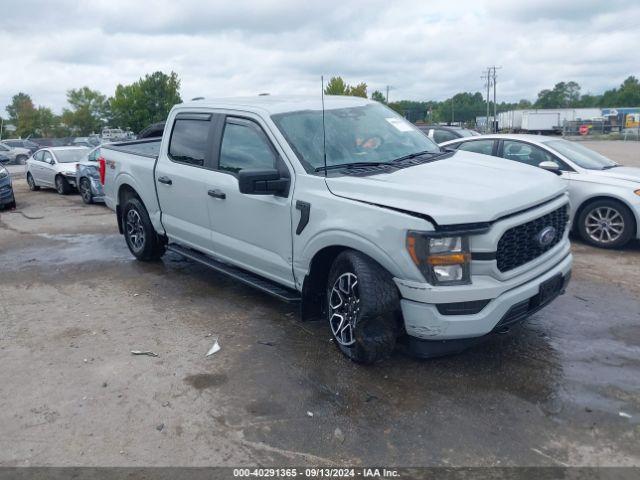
x=546 y=236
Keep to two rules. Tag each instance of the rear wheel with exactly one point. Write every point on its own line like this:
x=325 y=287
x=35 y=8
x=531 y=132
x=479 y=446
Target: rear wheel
x=62 y=186
x=85 y=190
x=142 y=239
x=32 y=183
x=606 y=224
x=21 y=159
x=362 y=306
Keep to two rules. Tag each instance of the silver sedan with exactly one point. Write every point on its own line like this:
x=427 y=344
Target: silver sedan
x=605 y=197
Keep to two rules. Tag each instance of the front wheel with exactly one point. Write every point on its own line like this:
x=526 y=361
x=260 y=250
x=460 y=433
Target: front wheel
x=62 y=186
x=32 y=183
x=142 y=239
x=85 y=191
x=606 y=224
x=362 y=307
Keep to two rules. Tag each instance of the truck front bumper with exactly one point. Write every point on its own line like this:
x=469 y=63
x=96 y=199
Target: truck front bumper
x=424 y=321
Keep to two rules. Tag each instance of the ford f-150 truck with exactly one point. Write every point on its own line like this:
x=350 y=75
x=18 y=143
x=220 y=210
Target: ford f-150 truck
x=351 y=211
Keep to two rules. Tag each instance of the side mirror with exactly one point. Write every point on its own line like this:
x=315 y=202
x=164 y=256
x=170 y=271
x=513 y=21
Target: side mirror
x=52 y=162
x=262 y=182
x=550 y=166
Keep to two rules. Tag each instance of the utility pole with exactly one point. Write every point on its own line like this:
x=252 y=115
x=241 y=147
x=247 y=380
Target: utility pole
x=491 y=76
x=387 y=93
x=488 y=78
x=495 y=106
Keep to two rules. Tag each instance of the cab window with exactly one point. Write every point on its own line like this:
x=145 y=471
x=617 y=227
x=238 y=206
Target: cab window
x=245 y=146
x=189 y=139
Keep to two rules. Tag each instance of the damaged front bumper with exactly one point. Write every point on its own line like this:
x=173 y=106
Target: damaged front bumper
x=433 y=333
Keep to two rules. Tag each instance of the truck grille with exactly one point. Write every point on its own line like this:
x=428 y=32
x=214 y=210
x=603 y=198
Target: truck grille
x=520 y=244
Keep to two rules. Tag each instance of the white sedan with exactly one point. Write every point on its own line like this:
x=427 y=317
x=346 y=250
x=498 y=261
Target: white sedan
x=605 y=197
x=54 y=167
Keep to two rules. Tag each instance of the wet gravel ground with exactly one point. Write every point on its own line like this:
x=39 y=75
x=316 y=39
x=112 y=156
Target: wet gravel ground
x=562 y=389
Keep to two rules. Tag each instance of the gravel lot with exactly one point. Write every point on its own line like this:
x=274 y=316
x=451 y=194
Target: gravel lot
x=73 y=304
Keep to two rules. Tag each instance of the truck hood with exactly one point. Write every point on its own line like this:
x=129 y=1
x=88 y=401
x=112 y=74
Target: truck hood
x=618 y=173
x=464 y=188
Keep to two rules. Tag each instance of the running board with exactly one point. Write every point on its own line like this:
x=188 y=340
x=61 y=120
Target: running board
x=248 y=278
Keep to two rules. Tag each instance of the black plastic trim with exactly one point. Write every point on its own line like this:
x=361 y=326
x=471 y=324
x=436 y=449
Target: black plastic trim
x=305 y=209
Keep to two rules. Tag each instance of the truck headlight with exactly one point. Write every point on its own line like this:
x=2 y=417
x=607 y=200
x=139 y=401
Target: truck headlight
x=441 y=260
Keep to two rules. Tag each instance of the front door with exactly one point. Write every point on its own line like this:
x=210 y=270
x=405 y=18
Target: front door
x=47 y=170
x=253 y=231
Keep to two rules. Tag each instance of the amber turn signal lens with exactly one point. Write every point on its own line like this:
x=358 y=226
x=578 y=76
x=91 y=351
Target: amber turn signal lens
x=450 y=259
x=637 y=192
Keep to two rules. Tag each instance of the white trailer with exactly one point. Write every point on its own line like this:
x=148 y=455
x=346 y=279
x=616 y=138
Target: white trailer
x=541 y=121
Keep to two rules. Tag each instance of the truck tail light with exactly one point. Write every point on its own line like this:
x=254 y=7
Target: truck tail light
x=102 y=169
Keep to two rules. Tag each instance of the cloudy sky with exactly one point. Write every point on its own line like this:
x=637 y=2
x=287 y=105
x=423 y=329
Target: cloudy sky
x=423 y=49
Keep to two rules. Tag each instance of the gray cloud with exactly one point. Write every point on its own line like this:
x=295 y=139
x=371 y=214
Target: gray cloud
x=424 y=50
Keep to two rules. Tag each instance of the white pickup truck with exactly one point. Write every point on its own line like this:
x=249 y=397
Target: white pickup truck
x=366 y=222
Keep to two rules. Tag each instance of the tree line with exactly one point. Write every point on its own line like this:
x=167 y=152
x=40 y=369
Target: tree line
x=149 y=99
x=466 y=106
x=132 y=106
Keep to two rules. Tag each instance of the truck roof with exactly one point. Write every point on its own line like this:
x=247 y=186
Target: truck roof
x=272 y=104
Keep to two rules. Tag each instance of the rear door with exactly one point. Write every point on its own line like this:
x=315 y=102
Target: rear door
x=253 y=231
x=183 y=172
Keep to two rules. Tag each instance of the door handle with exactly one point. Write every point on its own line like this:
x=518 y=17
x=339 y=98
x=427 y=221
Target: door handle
x=217 y=194
x=165 y=180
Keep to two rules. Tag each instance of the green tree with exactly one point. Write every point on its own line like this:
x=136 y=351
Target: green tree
x=563 y=95
x=22 y=114
x=336 y=86
x=88 y=113
x=378 y=96
x=144 y=102
x=360 y=90
x=628 y=95
x=47 y=124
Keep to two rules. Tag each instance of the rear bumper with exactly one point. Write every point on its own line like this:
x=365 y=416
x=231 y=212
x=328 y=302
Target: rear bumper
x=424 y=321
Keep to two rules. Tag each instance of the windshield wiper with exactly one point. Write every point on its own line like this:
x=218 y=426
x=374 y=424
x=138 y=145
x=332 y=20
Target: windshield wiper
x=417 y=154
x=351 y=165
x=609 y=167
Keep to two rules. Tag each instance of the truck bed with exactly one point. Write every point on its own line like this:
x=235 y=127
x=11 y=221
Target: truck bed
x=133 y=163
x=147 y=147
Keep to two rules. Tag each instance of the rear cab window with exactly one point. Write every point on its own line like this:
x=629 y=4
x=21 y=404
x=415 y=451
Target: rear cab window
x=190 y=139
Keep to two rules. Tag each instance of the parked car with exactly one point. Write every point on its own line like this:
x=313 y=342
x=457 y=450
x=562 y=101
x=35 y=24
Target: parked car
x=442 y=133
x=605 y=197
x=54 y=167
x=19 y=143
x=90 y=142
x=7 y=198
x=17 y=155
x=88 y=178
x=152 y=131
x=113 y=134
x=382 y=234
